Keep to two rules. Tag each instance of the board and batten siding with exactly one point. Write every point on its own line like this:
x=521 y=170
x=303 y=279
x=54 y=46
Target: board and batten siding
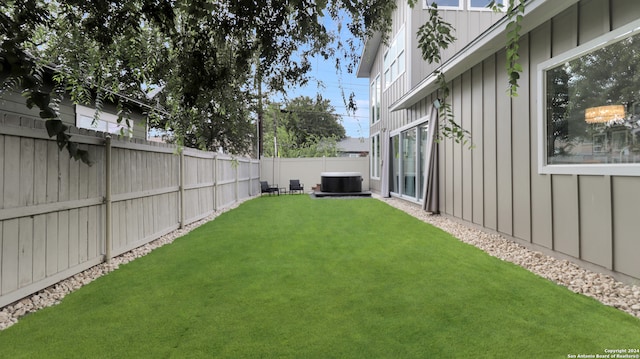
x=391 y=92
x=13 y=105
x=497 y=186
x=53 y=211
x=469 y=24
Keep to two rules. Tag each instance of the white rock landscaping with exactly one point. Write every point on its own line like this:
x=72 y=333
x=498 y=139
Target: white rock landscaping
x=601 y=287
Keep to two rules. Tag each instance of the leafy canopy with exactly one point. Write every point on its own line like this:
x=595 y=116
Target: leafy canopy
x=305 y=127
x=200 y=58
x=194 y=62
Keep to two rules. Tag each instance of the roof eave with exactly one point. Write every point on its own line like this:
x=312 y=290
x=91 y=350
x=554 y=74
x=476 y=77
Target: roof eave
x=368 y=56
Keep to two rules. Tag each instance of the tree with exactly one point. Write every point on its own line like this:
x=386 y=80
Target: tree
x=306 y=127
x=203 y=54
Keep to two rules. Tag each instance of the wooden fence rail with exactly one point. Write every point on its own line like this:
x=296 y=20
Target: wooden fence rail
x=59 y=217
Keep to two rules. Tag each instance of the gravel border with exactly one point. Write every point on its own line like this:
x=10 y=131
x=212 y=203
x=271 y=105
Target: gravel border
x=601 y=287
x=52 y=295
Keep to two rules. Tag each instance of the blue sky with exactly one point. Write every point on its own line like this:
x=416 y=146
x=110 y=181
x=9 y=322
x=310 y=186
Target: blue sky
x=356 y=125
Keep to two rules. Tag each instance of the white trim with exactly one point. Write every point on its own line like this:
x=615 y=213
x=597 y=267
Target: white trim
x=408 y=51
x=416 y=123
x=633 y=28
x=375 y=155
x=377 y=99
x=395 y=59
x=484 y=8
x=91 y=112
x=97 y=118
x=426 y=4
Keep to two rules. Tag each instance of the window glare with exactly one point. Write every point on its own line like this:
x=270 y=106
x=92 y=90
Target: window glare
x=593 y=107
x=480 y=3
x=449 y=3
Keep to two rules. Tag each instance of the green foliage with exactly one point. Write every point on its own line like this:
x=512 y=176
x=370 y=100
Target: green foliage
x=515 y=13
x=306 y=127
x=294 y=277
x=436 y=35
x=203 y=55
x=433 y=37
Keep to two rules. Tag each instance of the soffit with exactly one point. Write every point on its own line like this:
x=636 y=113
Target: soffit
x=489 y=42
x=368 y=56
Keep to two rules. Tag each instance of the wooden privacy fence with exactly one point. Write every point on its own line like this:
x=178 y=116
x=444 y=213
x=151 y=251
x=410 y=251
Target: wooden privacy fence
x=59 y=217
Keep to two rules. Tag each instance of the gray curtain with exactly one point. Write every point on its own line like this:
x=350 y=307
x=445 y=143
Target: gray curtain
x=384 y=157
x=430 y=200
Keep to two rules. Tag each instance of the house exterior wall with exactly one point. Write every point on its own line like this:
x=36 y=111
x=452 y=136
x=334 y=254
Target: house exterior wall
x=13 y=103
x=390 y=92
x=416 y=69
x=469 y=24
x=497 y=185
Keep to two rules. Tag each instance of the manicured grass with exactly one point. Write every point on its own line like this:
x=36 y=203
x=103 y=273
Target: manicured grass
x=294 y=277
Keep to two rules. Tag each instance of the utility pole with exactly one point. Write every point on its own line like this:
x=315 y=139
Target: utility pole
x=260 y=110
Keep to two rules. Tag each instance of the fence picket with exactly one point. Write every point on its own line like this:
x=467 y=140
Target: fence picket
x=10 y=251
x=39 y=247
x=25 y=252
x=57 y=218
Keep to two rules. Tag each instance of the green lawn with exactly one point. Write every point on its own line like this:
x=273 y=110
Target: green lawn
x=295 y=277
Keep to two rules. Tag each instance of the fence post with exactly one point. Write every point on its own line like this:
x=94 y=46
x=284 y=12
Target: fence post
x=182 y=216
x=236 y=189
x=215 y=182
x=107 y=199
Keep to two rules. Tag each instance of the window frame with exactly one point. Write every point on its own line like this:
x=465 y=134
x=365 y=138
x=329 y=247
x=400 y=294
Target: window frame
x=376 y=99
x=398 y=189
x=618 y=169
x=88 y=113
x=425 y=5
x=485 y=8
x=462 y=5
x=388 y=65
x=375 y=156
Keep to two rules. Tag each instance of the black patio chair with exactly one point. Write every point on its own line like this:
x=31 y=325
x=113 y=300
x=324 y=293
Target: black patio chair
x=265 y=188
x=295 y=186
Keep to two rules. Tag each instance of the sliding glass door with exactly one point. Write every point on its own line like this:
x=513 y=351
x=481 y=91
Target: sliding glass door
x=409 y=162
x=408 y=151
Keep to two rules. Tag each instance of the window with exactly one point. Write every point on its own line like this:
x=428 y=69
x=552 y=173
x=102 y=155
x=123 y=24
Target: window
x=106 y=123
x=375 y=156
x=409 y=162
x=591 y=116
x=422 y=160
x=375 y=100
x=458 y=4
x=394 y=59
x=408 y=151
x=482 y=4
x=444 y=4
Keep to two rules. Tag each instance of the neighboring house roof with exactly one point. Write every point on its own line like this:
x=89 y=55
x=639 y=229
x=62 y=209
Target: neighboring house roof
x=354 y=145
x=488 y=43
